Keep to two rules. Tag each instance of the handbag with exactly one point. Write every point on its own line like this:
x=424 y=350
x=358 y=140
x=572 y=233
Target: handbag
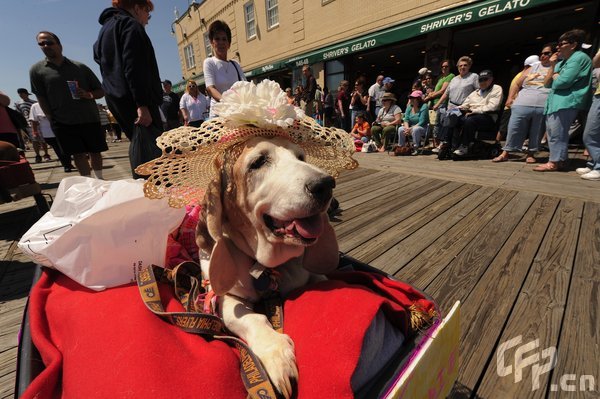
x=369 y=147
x=143 y=146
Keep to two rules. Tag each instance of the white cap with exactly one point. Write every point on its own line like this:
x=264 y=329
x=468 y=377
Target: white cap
x=532 y=59
x=423 y=71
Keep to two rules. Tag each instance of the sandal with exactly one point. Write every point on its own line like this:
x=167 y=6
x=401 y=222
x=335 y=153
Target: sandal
x=530 y=159
x=547 y=167
x=501 y=158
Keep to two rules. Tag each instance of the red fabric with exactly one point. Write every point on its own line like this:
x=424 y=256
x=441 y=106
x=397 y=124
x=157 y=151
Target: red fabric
x=109 y=345
x=15 y=174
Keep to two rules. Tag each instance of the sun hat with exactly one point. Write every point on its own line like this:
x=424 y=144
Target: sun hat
x=416 y=94
x=190 y=155
x=388 y=96
x=532 y=59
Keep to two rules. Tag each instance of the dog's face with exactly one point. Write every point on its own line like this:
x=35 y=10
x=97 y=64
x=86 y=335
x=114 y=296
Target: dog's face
x=280 y=201
x=267 y=205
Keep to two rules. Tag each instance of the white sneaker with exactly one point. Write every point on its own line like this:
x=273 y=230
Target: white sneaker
x=593 y=175
x=462 y=150
x=582 y=171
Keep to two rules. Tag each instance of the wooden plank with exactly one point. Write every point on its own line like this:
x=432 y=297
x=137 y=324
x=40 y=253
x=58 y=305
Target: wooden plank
x=428 y=264
x=579 y=345
x=539 y=310
x=431 y=207
x=486 y=309
x=394 y=184
x=428 y=234
x=383 y=197
x=359 y=186
x=383 y=205
x=458 y=279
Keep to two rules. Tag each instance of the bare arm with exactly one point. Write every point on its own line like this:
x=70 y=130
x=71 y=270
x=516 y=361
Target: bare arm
x=45 y=107
x=596 y=60
x=214 y=93
x=436 y=94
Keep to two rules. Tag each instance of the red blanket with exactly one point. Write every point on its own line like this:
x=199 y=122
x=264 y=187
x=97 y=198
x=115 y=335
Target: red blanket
x=109 y=345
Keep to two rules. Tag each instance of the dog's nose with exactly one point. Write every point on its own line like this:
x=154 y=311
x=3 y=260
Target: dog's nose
x=321 y=189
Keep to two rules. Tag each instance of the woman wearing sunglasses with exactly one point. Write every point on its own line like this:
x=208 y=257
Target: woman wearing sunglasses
x=193 y=105
x=527 y=109
x=569 y=79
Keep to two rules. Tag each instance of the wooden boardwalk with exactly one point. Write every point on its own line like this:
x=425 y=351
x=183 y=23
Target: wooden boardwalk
x=520 y=250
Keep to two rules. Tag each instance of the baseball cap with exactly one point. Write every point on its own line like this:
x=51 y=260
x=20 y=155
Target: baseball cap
x=416 y=94
x=485 y=74
x=22 y=90
x=532 y=59
x=423 y=71
x=167 y=82
x=387 y=80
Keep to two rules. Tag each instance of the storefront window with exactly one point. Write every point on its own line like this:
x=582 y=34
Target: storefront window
x=334 y=74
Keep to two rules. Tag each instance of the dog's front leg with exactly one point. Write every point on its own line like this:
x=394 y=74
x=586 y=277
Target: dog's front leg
x=275 y=350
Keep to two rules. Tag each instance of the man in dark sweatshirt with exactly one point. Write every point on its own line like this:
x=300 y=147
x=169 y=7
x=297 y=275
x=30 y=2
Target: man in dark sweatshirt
x=128 y=65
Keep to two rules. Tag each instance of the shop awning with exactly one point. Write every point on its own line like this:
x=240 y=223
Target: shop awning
x=474 y=12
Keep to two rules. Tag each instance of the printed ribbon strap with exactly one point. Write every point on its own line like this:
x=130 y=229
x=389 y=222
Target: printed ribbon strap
x=254 y=376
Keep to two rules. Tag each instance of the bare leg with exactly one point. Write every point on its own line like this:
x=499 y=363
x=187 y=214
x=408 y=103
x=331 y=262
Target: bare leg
x=82 y=164
x=96 y=161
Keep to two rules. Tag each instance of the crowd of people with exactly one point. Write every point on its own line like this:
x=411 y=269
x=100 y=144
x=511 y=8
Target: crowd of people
x=453 y=111
x=448 y=112
x=67 y=117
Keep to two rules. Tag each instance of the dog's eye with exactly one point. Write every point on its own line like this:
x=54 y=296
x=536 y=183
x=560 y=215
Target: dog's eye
x=258 y=162
x=301 y=157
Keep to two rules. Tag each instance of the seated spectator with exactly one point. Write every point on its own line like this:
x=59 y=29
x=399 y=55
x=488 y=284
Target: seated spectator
x=481 y=111
x=388 y=120
x=458 y=89
x=290 y=96
x=527 y=109
x=361 y=130
x=416 y=120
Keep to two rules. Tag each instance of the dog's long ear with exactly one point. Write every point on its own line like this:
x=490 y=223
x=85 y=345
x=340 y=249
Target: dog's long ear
x=222 y=272
x=323 y=257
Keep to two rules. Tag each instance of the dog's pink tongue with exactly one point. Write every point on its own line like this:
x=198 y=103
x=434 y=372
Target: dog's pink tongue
x=310 y=227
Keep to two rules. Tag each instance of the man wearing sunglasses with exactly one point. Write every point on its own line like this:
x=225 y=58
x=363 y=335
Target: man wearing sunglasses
x=66 y=91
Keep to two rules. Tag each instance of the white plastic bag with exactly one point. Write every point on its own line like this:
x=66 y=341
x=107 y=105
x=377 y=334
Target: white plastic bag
x=99 y=232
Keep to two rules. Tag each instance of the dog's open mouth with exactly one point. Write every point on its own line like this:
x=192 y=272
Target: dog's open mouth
x=307 y=229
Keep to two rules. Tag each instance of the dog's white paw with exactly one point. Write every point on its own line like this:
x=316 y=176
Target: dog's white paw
x=276 y=353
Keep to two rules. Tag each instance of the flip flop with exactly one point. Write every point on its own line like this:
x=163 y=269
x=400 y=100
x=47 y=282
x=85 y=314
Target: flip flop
x=547 y=167
x=500 y=158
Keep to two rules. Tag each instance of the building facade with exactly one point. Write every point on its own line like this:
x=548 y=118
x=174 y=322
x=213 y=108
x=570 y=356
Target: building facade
x=348 y=39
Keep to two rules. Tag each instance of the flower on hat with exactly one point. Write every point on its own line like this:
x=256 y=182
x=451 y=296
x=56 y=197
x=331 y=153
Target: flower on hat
x=262 y=105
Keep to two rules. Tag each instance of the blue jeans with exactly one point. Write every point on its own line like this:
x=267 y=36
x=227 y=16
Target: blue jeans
x=557 y=128
x=591 y=135
x=525 y=122
x=417 y=134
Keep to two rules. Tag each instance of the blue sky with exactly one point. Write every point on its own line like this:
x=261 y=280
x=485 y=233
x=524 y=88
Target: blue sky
x=76 y=23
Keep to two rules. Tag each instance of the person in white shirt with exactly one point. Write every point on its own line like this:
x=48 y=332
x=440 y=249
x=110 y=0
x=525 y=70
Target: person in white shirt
x=193 y=105
x=40 y=127
x=219 y=72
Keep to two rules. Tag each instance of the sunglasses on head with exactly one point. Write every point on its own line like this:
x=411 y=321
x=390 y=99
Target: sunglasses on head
x=46 y=43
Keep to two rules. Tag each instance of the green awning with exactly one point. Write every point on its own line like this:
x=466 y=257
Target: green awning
x=477 y=11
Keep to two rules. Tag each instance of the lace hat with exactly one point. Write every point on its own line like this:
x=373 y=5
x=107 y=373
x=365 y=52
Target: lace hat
x=189 y=160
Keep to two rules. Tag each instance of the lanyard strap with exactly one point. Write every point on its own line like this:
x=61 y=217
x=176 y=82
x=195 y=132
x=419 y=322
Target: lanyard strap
x=187 y=289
